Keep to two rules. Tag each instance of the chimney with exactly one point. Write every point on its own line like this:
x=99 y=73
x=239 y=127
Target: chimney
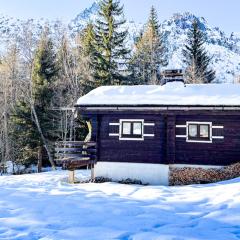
x=172 y=75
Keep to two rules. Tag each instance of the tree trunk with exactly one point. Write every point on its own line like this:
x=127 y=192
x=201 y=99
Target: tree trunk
x=42 y=137
x=71 y=125
x=40 y=158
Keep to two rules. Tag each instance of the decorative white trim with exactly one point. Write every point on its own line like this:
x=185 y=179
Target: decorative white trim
x=114 y=124
x=217 y=137
x=131 y=139
x=219 y=127
x=180 y=126
x=193 y=122
x=149 y=124
x=114 y=134
x=200 y=141
x=181 y=136
x=131 y=120
x=148 y=135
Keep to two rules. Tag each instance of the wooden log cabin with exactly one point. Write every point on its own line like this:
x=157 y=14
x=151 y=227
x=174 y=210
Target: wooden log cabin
x=142 y=131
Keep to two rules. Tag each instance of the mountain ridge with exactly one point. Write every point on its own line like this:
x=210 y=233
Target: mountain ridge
x=225 y=50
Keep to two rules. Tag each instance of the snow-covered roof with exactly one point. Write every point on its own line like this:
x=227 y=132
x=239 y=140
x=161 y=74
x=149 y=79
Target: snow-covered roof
x=171 y=94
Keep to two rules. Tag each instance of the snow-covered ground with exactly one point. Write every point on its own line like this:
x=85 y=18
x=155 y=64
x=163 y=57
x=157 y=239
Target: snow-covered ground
x=43 y=206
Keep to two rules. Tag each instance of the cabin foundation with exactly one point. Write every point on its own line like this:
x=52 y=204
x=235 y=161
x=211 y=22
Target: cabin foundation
x=154 y=174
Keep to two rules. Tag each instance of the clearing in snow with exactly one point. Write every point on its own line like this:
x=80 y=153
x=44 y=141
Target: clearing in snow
x=44 y=206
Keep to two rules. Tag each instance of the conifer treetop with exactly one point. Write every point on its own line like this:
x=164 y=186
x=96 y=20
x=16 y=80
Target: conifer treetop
x=196 y=57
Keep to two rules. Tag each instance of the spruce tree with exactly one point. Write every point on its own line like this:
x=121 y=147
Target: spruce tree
x=25 y=135
x=150 y=53
x=44 y=75
x=87 y=39
x=87 y=53
x=26 y=125
x=110 y=53
x=196 y=57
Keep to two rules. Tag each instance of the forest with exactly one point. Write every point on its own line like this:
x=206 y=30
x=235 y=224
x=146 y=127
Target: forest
x=41 y=78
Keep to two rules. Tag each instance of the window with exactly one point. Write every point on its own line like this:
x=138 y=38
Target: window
x=199 y=132
x=131 y=129
x=126 y=128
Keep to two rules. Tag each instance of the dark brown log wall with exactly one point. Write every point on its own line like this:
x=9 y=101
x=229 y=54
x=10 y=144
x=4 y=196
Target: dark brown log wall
x=164 y=147
x=150 y=150
x=220 y=151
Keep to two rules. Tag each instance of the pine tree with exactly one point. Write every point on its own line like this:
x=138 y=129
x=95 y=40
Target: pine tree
x=25 y=135
x=87 y=56
x=87 y=38
x=33 y=118
x=110 y=53
x=150 y=53
x=196 y=57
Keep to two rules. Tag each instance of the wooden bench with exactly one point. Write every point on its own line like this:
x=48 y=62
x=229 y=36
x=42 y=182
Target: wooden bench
x=72 y=155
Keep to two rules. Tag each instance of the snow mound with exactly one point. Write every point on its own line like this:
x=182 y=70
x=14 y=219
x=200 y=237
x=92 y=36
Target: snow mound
x=43 y=206
x=170 y=94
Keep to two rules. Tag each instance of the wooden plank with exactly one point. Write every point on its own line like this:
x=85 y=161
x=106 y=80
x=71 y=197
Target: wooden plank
x=68 y=149
x=71 y=176
x=69 y=161
x=77 y=150
x=76 y=155
x=76 y=164
x=80 y=142
x=75 y=143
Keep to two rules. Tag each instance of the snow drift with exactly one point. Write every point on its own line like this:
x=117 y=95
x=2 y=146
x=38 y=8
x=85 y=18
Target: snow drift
x=43 y=206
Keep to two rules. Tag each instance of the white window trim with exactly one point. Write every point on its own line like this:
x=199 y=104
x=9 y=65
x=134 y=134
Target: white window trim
x=113 y=134
x=180 y=126
x=113 y=124
x=181 y=136
x=199 y=141
x=149 y=124
x=148 y=135
x=131 y=120
x=218 y=127
x=217 y=137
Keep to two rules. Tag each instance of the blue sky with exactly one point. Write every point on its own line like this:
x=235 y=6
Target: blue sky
x=222 y=13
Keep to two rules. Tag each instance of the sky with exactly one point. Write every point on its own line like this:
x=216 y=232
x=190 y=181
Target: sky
x=219 y=13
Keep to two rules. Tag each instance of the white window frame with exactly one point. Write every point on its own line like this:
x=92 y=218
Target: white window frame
x=199 y=141
x=131 y=120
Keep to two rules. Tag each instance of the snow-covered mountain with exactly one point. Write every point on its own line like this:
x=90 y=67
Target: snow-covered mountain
x=88 y=15
x=225 y=50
